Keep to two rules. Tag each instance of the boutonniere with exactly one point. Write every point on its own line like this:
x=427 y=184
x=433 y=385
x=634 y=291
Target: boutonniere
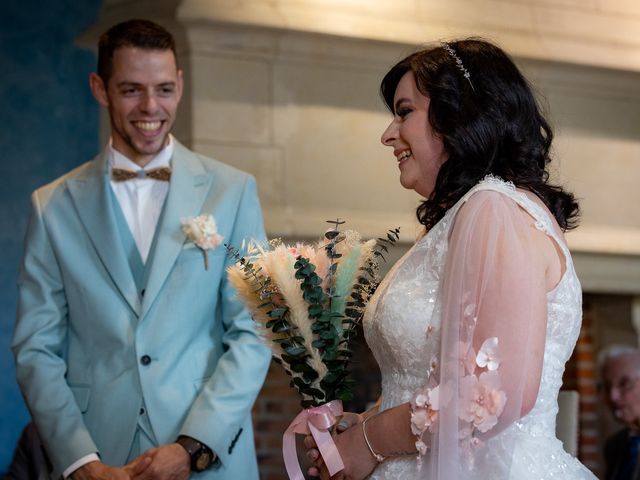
x=202 y=231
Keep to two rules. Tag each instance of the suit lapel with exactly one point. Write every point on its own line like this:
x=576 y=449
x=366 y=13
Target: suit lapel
x=190 y=183
x=92 y=199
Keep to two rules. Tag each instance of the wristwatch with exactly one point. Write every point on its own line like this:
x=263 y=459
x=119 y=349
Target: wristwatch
x=202 y=457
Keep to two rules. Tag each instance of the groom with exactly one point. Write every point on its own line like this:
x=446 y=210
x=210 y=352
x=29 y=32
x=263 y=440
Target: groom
x=132 y=353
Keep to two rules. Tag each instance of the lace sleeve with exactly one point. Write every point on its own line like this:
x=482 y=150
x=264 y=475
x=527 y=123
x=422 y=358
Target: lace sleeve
x=493 y=309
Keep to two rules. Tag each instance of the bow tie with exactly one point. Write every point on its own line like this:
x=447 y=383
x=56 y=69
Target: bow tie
x=162 y=174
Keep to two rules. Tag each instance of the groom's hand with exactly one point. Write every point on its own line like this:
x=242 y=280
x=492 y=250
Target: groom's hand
x=167 y=462
x=100 y=471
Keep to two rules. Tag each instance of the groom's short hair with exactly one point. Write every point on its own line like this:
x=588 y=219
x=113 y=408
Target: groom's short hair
x=138 y=33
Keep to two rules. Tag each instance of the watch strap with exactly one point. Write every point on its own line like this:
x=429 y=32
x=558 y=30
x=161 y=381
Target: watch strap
x=202 y=457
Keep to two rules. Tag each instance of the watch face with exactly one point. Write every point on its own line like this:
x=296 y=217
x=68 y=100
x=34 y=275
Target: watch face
x=203 y=461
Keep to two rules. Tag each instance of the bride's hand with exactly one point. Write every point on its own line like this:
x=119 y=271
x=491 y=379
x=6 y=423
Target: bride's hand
x=348 y=420
x=357 y=459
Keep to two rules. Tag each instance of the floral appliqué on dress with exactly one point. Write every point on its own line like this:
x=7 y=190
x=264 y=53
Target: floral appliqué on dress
x=480 y=397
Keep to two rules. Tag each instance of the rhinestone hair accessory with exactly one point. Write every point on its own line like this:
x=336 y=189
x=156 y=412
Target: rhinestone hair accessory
x=459 y=63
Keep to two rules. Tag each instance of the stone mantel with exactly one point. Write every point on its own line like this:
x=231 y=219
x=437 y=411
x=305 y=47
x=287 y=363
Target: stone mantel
x=586 y=32
x=601 y=33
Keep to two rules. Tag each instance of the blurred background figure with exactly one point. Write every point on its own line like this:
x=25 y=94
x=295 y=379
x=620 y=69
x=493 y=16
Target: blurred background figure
x=29 y=460
x=620 y=370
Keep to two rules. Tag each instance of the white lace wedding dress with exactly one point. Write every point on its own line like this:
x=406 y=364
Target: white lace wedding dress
x=403 y=328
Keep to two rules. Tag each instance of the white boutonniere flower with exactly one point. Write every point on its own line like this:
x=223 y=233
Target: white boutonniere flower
x=202 y=231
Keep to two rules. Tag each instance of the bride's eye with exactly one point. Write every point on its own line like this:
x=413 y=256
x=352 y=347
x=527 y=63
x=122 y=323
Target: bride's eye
x=403 y=112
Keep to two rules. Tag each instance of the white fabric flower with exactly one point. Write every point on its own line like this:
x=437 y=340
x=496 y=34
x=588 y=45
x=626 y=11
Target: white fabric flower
x=488 y=354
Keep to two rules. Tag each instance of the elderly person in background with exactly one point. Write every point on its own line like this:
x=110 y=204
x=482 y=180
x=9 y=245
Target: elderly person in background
x=620 y=370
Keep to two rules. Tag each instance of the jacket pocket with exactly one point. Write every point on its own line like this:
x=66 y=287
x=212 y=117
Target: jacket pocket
x=81 y=394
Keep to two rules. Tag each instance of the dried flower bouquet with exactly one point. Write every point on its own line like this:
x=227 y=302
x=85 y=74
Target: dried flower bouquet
x=308 y=300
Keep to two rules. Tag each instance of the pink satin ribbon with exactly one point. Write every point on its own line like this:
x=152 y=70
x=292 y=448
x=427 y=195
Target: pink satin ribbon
x=315 y=421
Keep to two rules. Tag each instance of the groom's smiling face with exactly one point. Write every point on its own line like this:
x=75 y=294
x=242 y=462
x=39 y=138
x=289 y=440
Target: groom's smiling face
x=142 y=96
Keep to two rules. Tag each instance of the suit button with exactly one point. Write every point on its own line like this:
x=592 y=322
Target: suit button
x=145 y=360
x=141 y=411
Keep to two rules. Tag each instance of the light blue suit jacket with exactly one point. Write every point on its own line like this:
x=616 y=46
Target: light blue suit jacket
x=83 y=327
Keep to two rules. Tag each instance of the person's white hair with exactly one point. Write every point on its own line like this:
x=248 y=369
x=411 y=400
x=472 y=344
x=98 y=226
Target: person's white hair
x=614 y=352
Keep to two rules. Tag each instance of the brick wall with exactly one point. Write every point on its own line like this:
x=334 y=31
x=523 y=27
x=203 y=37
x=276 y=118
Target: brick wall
x=276 y=407
x=585 y=367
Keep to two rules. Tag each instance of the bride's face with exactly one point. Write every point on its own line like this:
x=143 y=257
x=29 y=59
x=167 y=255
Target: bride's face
x=418 y=150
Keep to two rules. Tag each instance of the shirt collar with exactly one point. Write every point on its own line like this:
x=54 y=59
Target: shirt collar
x=162 y=159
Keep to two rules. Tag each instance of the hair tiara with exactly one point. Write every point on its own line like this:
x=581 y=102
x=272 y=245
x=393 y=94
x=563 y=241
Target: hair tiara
x=459 y=63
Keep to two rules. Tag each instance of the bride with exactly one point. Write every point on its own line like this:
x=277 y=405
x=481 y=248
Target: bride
x=473 y=326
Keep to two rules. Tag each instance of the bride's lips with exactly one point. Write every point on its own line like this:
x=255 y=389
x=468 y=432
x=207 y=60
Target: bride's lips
x=402 y=156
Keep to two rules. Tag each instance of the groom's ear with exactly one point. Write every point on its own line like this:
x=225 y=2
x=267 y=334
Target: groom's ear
x=99 y=89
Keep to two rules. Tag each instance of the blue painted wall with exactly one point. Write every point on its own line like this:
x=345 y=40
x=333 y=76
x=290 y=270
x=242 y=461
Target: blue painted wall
x=48 y=125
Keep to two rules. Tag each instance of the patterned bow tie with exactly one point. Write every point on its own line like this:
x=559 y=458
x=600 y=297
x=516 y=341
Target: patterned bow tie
x=122 y=175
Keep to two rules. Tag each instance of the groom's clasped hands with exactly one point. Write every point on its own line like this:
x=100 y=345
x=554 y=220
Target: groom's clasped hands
x=358 y=461
x=167 y=462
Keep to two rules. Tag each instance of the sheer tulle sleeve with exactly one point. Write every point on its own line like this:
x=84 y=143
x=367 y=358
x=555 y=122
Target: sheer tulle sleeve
x=493 y=321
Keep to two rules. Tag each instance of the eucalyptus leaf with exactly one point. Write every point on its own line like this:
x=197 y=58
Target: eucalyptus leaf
x=300 y=383
x=278 y=312
x=280 y=327
x=296 y=351
x=314 y=392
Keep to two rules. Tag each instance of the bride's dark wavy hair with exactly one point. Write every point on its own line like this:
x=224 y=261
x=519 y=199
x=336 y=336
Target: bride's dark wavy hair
x=489 y=124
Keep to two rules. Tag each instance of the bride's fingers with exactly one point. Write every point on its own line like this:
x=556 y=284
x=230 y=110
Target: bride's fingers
x=322 y=474
x=313 y=454
x=309 y=442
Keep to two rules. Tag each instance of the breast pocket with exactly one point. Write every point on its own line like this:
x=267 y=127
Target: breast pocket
x=192 y=262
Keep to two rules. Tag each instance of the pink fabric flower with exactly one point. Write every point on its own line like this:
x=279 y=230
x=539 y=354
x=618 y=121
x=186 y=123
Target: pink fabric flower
x=488 y=354
x=421 y=447
x=433 y=366
x=424 y=411
x=430 y=330
x=481 y=400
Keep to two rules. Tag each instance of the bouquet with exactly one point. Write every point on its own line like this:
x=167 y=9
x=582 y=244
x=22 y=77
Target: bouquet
x=308 y=300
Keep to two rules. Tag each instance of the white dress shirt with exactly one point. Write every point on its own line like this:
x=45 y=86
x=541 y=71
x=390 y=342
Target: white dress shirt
x=141 y=201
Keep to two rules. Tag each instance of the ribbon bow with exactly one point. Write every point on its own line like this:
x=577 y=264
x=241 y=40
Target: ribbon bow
x=315 y=421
